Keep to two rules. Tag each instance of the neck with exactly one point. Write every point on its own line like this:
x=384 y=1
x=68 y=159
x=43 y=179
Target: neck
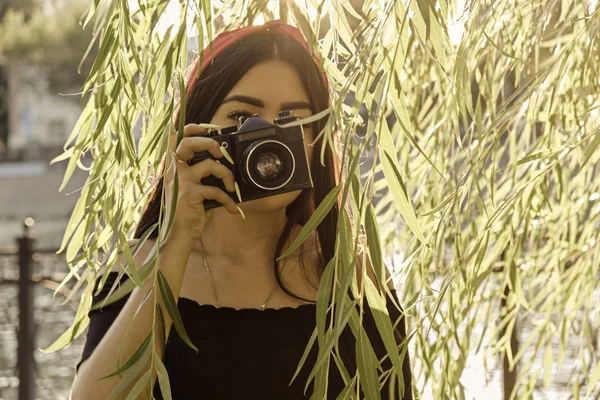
x=241 y=244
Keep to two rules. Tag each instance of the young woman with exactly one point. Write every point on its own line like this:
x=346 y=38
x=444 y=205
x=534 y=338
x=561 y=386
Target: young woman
x=250 y=316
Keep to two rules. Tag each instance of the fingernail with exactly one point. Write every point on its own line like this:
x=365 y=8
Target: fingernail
x=241 y=212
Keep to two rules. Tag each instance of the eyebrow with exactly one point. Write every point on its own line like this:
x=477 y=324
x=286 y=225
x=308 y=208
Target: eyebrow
x=294 y=105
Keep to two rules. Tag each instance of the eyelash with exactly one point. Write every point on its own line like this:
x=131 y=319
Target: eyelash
x=236 y=115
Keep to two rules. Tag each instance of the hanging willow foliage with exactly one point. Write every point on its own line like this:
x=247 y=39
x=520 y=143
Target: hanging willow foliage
x=479 y=128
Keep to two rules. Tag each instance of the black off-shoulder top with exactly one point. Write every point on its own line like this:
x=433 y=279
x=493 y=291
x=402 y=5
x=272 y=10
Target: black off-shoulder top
x=248 y=353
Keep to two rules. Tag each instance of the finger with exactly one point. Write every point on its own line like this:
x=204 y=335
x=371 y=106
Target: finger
x=214 y=193
x=193 y=130
x=190 y=145
x=211 y=167
x=188 y=130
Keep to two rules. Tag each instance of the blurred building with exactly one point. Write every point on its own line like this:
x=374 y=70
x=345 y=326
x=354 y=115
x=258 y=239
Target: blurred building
x=36 y=126
x=38 y=121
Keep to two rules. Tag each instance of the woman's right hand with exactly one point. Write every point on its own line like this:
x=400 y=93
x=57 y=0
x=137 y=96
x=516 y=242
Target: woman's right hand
x=190 y=215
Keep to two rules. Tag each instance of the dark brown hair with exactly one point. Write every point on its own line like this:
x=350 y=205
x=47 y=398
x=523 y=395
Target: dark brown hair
x=207 y=95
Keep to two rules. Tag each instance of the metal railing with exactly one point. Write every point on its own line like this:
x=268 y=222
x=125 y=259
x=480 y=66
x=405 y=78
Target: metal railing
x=26 y=253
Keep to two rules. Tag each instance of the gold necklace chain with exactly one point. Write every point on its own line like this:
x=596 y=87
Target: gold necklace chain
x=261 y=308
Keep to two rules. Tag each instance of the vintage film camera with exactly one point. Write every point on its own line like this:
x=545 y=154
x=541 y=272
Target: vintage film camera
x=268 y=159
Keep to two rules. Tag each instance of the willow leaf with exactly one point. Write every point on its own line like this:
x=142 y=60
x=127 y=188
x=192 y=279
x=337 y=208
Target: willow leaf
x=591 y=149
x=547 y=365
x=135 y=357
x=319 y=215
x=368 y=372
x=163 y=378
x=374 y=245
x=171 y=306
x=120 y=290
x=131 y=267
x=307 y=350
x=398 y=190
x=67 y=337
x=140 y=385
x=384 y=325
x=81 y=322
x=593 y=379
x=308 y=120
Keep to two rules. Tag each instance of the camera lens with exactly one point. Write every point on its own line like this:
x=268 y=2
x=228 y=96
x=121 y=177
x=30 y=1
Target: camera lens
x=269 y=165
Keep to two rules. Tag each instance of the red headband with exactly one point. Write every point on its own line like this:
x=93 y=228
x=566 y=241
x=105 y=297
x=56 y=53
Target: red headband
x=225 y=39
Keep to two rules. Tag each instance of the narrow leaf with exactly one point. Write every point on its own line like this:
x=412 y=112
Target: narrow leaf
x=163 y=378
x=171 y=305
x=320 y=213
x=133 y=359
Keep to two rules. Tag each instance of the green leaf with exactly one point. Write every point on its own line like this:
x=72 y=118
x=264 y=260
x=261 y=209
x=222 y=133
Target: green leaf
x=131 y=267
x=81 y=321
x=384 y=326
x=130 y=375
x=593 y=378
x=91 y=12
x=368 y=372
x=67 y=337
x=328 y=339
x=163 y=378
x=350 y=388
x=319 y=215
x=323 y=298
x=374 y=245
x=308 y=120
x=67 y=154
x=140 y=385
x=107 y=50
x=171 y=306
x=135 y=357
x=120 y=290
x=307 y=351
x=398 y=190
x=162 y=331
x=74 y=221
x=547 y=365
x=591 y=149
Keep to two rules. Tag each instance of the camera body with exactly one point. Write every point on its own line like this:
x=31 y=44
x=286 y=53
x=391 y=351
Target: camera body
x=267 y=159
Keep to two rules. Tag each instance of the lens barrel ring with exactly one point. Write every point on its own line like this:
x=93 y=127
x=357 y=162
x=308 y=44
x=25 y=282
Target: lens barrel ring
x=285 y=152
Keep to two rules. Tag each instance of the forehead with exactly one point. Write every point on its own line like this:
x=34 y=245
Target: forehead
x=274 y=82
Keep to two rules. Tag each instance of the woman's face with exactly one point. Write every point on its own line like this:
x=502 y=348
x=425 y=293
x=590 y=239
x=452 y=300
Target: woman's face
x=266 y=89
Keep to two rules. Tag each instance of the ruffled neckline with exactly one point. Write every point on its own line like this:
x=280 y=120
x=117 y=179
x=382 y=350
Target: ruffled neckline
x=310 y=307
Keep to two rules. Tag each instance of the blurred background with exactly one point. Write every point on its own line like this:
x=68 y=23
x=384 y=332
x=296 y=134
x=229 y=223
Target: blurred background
x=41 y=47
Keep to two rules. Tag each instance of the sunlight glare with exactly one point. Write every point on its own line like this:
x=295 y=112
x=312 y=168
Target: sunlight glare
x=170 y=17
x=456 y=23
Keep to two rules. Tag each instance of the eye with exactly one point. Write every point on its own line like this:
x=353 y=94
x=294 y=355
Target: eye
x=239 y=116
